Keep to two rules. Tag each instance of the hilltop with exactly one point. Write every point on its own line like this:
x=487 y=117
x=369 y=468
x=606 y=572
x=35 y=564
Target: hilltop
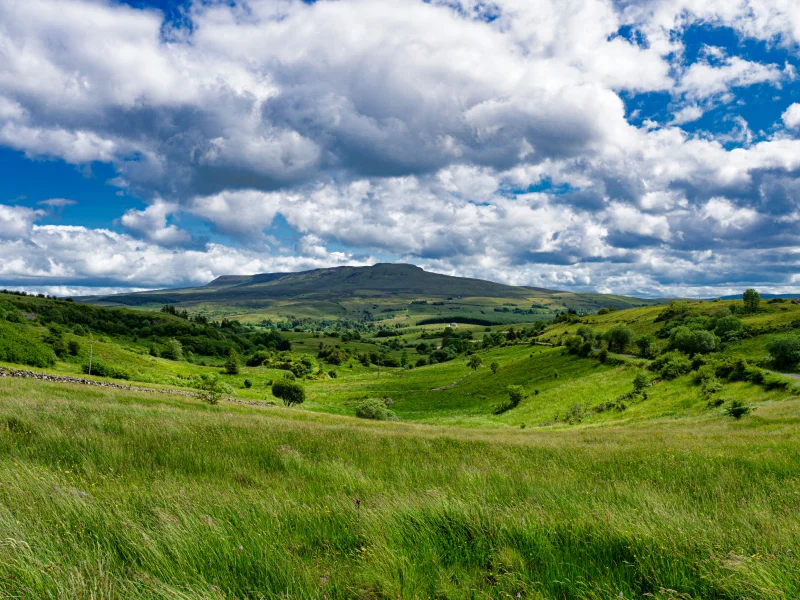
x=349 y=292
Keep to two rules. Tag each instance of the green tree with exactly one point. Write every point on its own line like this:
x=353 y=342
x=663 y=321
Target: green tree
x=494 y=367
x=784 y=350
x=474 y=362
x=174 y=350
x=403 y=358
x=210 y=388
x=74 y=347
x=737 y=409
x=639 y=382
x=728 y=327
x=618 y=338
x=232 y=365
x=693 y=342
x=290 y=392
x=645 y=343
x=751 y=300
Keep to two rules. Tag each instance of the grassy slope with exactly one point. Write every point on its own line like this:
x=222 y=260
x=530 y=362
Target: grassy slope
x=120 y=495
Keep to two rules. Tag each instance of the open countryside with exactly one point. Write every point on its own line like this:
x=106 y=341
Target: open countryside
x=649 y=452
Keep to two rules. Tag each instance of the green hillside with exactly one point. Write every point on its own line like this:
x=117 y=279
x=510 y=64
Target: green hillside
x=650 y=453
x=392 y=292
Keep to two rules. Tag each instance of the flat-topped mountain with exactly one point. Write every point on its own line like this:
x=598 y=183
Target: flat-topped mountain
x=332 y=292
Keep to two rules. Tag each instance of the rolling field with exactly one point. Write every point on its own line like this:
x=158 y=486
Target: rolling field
x=109 y=494
x=585 y=488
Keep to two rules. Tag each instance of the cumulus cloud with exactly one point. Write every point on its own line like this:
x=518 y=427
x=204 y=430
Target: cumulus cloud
x=83 y=258
x=474 y=138
x=151 y=223
x=791 y=118
x=16 y=221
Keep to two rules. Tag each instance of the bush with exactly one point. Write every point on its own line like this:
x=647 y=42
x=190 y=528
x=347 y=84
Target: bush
x=784 y=350
x=728 y=328
x=174 y=350
x=737 y=409
x=248 y=384
x=671 y=365
x=232 y=365
x=691 y=341
x=211 y=389
x=639 y=382
x=494 y=367
x=102 y=369
x=73 y=347
x=375 y=409
x=291 y=393
x=645 y=344
x=618 y=338
x=258 y=358
x=515 y=396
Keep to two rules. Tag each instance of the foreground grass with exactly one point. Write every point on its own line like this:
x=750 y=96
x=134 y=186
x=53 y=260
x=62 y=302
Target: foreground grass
x=107 y=494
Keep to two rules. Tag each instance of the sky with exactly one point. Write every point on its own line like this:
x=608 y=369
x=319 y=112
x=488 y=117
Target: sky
x=640 y=147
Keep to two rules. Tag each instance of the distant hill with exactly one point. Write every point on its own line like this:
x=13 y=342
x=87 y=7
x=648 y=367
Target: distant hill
x=343 y=291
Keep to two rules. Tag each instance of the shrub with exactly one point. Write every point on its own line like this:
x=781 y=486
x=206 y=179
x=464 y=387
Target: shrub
x=248 y=384
x=515 y=396
x=737 y=409
x=728 y=328
x=174 y=350
x=291 y=393
x=639 y=382
x=258 y=358
x=73 y=347
x=375 y=409
x=102 y=369
x=602 y=356
x=645 y=344
x=232 y=365
x=494 y=367
x=618 y=338
x=421 y=362
x=474 y=362
x=210 y=388
x=784 y=350
x=333 y=374
x=691 y=341
x=671 y=365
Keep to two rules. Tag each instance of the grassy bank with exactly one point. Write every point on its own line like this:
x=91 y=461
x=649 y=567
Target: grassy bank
x=107 y=494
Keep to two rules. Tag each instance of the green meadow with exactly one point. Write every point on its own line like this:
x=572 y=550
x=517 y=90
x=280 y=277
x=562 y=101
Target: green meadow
x=616 y=473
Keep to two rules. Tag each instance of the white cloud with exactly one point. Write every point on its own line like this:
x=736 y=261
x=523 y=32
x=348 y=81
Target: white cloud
x=403 y=128
x=151 y=223
x=57 y=202
x=791 y=117
x=17 y=221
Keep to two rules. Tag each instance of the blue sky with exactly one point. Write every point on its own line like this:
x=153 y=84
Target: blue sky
x=648 y=148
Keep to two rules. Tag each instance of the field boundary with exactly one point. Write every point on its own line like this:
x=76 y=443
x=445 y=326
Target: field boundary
x=27 y=374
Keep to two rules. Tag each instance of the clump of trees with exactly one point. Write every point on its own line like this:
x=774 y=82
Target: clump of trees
x=784 y=350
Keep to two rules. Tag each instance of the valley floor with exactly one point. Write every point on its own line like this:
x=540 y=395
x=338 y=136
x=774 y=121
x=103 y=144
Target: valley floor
x=117 y=494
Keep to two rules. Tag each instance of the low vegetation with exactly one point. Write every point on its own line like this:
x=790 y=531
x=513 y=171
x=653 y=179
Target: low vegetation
x=642 y=453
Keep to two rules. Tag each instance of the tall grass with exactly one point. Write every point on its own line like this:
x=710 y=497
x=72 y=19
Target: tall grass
x=108 y=494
